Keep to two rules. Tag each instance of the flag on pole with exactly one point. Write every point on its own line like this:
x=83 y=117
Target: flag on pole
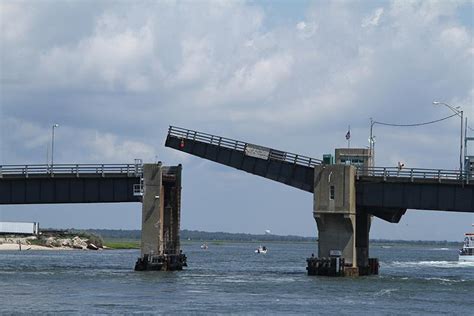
x=348 y=136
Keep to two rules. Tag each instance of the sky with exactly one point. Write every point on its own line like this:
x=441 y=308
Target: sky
x=291 y=75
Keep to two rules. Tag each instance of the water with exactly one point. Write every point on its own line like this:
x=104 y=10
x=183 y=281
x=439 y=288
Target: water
x=231 y=278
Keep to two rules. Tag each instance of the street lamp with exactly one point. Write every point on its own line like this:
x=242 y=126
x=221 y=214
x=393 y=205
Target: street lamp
x=52 y=144
x=460 y=113
x=372 y=143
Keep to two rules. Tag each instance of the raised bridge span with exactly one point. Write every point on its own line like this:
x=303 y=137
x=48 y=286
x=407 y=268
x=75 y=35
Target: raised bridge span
x=345 y=196
x=377 y=188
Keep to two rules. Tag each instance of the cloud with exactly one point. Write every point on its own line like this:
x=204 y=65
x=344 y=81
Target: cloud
x=110 y=148
x=107 y=58
x=373 y=19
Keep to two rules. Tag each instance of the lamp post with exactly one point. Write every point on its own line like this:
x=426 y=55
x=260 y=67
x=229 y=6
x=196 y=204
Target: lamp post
x=460 y=113
x=372 y=143
x=52 y=144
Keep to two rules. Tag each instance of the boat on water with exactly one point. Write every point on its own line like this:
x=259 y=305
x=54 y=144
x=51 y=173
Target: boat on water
x=466 y=254
x=261 y=249
x=204 y=246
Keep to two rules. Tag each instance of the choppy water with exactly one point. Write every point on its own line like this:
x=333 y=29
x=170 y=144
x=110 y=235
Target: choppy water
x=231 y=278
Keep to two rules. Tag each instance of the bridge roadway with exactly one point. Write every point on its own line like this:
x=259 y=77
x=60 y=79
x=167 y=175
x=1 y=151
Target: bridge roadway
x=74 y=183
x=382 y=192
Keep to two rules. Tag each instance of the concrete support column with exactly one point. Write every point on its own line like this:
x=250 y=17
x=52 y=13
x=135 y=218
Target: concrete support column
x=152 y=210
x=161 y=210
x=336 y=234
x=343 y=231
x=363 y=221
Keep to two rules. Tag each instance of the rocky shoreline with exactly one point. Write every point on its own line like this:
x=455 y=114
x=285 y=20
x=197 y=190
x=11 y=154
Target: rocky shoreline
x=50 y=243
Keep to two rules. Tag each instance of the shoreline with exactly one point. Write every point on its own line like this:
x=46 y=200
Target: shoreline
x=26 y=247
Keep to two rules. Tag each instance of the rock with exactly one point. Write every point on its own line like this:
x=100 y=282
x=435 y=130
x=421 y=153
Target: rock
x=49 y=242
x=78 y=243
x=66 y=242
x=92 y=247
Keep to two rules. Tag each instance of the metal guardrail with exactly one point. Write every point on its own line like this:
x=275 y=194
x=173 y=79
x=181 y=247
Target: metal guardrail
x=414 y=173
x=131 y=170
x=272 y=154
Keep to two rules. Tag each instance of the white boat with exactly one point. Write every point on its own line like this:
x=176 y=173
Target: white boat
x=261 y=249
x=466 y=254
x=204 y=246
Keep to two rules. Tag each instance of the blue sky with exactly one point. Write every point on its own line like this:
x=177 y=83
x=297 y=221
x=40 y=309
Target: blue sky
x=290 y=75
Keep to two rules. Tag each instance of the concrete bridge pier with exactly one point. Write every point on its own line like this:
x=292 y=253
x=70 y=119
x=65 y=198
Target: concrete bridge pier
x=343 y=231
x=161 y=208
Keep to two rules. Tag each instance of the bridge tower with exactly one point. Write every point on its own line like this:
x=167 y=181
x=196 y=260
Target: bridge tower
x=161 y=208
x=343 y=230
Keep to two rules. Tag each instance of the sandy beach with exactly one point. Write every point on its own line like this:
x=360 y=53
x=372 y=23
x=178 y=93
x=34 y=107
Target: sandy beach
x=13 y=246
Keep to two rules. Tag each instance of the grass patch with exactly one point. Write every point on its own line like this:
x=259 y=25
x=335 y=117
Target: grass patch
x=122 y=244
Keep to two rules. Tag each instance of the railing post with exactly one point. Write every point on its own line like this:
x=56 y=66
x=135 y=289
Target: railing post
x=102 y=171
x=439 y=176
x=219 y=143
x=26 y=171
x=77 y=171
x=384 y=174
x=194 y=136
x=128 y=169
x=296 y=159
x=309 y=163
x=411 y=174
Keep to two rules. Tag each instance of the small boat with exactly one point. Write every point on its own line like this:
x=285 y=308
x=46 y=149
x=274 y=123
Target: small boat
x=261 y=249
x=204 y=246
x=466 y=254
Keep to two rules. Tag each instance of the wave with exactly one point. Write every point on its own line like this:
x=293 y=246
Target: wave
x=436 y=264
x=385 y=292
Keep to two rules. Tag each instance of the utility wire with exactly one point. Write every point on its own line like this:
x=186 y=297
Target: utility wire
x=415 y=124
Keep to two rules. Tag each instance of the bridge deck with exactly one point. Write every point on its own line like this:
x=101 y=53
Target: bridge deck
x=79 y=183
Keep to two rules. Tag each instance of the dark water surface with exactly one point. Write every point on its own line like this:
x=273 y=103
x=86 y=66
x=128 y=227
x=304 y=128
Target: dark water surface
x=229 y=278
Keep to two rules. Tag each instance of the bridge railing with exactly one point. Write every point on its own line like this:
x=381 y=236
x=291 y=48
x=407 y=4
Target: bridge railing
x=414 y=173
x=75 y=169
x=258 y=151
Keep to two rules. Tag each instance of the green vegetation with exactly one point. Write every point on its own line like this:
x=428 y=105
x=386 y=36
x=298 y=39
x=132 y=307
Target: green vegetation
x=122 y=243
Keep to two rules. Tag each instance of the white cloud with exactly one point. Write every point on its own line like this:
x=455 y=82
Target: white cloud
x=457 y=36
x=306 y=30
x=15 y=21
x=112 y=60
x=373 y=19
x=249 y=82
x=108 y=147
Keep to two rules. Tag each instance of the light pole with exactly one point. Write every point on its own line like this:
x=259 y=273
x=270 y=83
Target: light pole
x=372 y=143
x=460 y=113
x=52 y=144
